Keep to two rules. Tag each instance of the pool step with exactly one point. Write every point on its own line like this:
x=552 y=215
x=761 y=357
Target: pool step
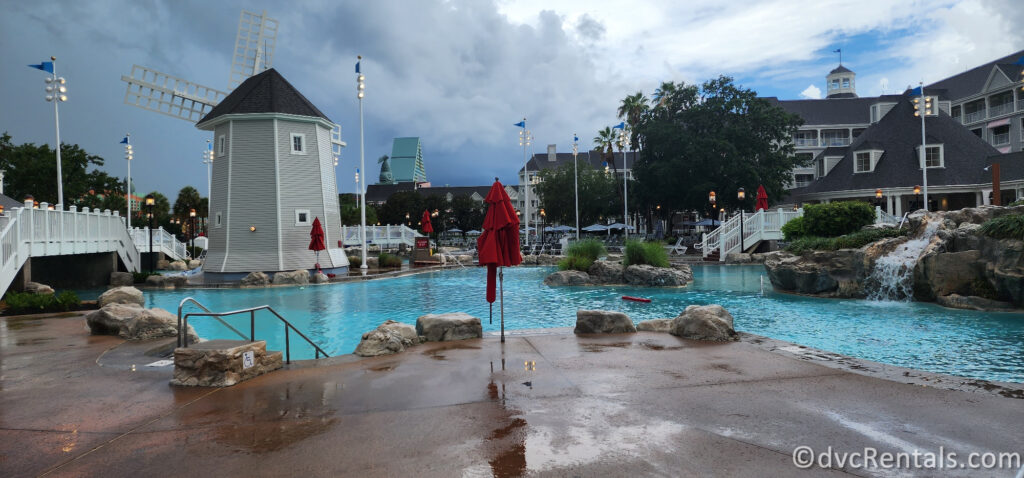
x=223 y=363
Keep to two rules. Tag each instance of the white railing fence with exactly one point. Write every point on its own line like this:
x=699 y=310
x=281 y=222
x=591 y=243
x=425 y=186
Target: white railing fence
x=758 y=226
x=163 y=241
x=33 y=232
x=387 y=235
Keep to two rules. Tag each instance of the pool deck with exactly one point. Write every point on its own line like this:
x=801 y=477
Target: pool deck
x=550 y=404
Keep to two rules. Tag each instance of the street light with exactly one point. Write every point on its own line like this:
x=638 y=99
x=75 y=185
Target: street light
x=360 y=86
x=878 y=197
x=712 y=199
x=525 y=139
x=924 y=157
x=741 y=195
x=917 y=195
x=575 y=181
x=540 y=228
x=192 y=228
x=625 y=197
x=128 y=155
x=150 y=202
x=55 y=92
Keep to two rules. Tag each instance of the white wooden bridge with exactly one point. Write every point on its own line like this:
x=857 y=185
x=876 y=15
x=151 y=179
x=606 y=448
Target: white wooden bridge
x=163 y=241
x=387 y=236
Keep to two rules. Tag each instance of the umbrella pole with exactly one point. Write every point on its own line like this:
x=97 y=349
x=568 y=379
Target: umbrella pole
x=501 y=288
x=490 y=317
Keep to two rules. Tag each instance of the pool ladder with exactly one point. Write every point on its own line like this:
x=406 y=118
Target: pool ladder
x=183 y=326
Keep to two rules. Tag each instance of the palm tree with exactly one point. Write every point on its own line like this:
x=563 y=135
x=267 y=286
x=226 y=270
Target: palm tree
x=604 y=141
x=632 y=107
x=188 y=199
x=666 y=90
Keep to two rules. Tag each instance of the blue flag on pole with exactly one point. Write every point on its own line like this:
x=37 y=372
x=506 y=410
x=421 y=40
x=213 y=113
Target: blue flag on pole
x=1020 y=61
x=837 y=50
x=575 y=138
x=46 y=66
x=621 y=125
x=357 y=65
x=916 y=91
x=124 y=141
x=521 y=124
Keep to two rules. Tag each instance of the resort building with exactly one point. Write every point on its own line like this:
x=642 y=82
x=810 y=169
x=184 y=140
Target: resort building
x=273 y=176
x=554 y=160
x=378 y=194
x=405 y=165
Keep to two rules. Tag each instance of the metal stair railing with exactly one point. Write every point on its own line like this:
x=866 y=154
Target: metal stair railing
x=183 y=326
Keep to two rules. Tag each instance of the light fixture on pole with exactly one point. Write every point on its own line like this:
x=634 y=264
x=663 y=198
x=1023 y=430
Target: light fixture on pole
x=878 y=197
x=741 y=195
x=927 y=111
x=128 y=155
x=359 y=189
x=150 y=202
x=576 y=181
x=208 y=161
x=625 y=197
x=360 y=86
x=55 y=92
x=712 y=199
x=192 y=227
x=525 y=139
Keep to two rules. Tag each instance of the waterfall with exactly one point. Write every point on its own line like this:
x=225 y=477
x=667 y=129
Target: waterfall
x=891 y=277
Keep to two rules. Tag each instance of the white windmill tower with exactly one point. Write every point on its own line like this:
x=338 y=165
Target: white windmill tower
x=274 y=157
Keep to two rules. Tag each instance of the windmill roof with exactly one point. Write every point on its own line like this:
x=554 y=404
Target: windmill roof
x=267 y=92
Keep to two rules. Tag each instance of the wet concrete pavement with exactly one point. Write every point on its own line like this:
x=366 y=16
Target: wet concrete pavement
x=549 y=405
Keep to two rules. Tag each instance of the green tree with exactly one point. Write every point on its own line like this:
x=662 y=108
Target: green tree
x=188 y=199
x=350 y=213
x=401 y=204
x=161 y=212
x=32 y=170
x=716 y=137
x=632 y=110
x=597 y=194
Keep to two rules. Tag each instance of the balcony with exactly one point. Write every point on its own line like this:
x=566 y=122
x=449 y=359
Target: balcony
x=813 y=142
x=974 y=117
x=835 y=141
x=996 y=110
x=1000 y=139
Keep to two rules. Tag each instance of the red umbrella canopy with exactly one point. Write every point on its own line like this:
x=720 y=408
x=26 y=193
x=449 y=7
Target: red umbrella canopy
x=425 y=222
x=762 y=199
x=499 y=243
x=316 y=236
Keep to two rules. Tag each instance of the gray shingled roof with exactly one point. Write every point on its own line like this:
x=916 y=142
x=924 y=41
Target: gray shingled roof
x=267 y=92
x=594 y=158
x=971 y=81
x=455 y=190
x=840 y=69
x=10 y=203
x=898 y=134
x=832 y=111
x=1011 y=166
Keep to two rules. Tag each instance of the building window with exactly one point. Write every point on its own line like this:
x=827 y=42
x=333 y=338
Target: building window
x=302 y=217
x=298 y=143
x=821 y=167
x=932 y=155
x=862 y=163
x=846 y=82
x=216 y=219
x=804 y=180
x=1001 y=135
x=221 y=145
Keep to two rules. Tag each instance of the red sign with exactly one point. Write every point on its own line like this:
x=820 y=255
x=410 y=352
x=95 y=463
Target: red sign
x=422 y=242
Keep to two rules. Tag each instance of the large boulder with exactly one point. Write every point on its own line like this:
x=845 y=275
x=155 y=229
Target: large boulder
x=569 y=277
x=704 y=322
x=163 y=264
x=121 y=279
x=222 y=363
x=122 y=295
x=602 y=322
x=388 y=338
x=450 y=326
x=152 y=324
x=605 y=272
x=255 y=279
x=192 y=264
x=167 y=281
x=320 y=278
x=177 y=266
x=948 y=273
x=300 y=277
x=655 y=325
x=818 y=272
x=650 y=276
x=37 y=288
x=111 y=319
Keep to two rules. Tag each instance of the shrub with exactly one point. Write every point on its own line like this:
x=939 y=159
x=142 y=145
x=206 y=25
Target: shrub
x=29 y=303
x=388 y=260
x=837 y=218
x=1004 y=227
x=640 y=252
x=140 y=277
x=794 y=229
x=355 y=261
x=849 y=241
x=68 y=300
x=195 y=252
x=576 y=263
x=1019 y=202
x=589 y=248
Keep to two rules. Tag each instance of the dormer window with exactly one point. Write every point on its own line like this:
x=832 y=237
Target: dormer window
x=933 y=155
x=865 y=161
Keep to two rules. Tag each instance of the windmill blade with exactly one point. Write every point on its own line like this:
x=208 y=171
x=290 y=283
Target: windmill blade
x=336 y=143
x=154 y=91
x=254 y=46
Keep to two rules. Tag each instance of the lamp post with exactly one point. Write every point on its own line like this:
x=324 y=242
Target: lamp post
x=924 y=157
x=150 y=201
x=360 y=86
x=192 y=228
x=625 y=197
x=741 y=195
x=55 y=92
x=878 y=197
x=525 y=138
x=208 y=161
x=575 y=181
x=128 y=155
x=712 y=199
x=917 y=195
x=359 y=189
x=540 y=227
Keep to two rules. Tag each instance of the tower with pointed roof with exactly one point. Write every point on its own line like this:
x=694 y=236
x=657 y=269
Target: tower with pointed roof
x=273 y=174
x=841 y=83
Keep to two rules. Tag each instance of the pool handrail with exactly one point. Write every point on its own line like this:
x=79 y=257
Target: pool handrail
x=183 y=326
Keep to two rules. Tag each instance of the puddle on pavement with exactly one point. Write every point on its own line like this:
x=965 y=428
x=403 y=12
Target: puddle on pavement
x=382 y=368
x=602 y=347
x=724 y=367
x=33 y=341
x=21 y=323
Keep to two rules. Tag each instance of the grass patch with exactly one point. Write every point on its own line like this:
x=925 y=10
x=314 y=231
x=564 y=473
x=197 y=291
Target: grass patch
x=855 y=240
x=355 y=261
x=575 y=263
x=388 y=261
x=29 y=303
x=640 y=252
x=590 y=248
x=1004 y=227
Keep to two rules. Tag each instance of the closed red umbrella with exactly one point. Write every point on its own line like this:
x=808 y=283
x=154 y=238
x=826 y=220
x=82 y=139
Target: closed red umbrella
x=316 y=240
x=762 y=199
x=425 y=222
x=498 y=246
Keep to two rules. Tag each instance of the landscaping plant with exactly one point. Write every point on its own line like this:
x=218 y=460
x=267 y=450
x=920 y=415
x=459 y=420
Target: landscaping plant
x=29 y=303
x=837 y=218
x=1004 y=227
x=640 y=252
x=590 y=248
x=855 y=240
x=355 y=262
x=388 y=260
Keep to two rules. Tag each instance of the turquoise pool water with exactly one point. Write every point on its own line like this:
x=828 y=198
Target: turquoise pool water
x=918 y=335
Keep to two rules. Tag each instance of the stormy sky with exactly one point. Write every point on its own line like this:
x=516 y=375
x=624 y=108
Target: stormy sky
x=458 y=74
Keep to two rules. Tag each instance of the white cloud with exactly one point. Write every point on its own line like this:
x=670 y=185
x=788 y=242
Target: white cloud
x=811 y=92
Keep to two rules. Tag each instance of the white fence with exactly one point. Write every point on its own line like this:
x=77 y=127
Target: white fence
x=386 y=236
x=163 y=241
x=28 y=232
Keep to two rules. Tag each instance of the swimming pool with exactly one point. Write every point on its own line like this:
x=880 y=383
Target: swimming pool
x=918 y=335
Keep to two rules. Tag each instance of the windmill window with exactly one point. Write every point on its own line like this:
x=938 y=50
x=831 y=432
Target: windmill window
x=302 y=217
x=216 y=221
x=298 y=143
x=221 y=145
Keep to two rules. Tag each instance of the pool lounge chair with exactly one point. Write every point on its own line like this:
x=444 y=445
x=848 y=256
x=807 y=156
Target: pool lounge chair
x=678 y=248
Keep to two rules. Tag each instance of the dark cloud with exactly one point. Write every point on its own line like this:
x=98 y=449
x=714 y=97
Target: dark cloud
x=589 y=28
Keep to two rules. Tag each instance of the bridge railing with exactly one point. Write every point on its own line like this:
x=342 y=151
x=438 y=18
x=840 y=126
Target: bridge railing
x=163 y=241
x=380 y=235
x=758 y=226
